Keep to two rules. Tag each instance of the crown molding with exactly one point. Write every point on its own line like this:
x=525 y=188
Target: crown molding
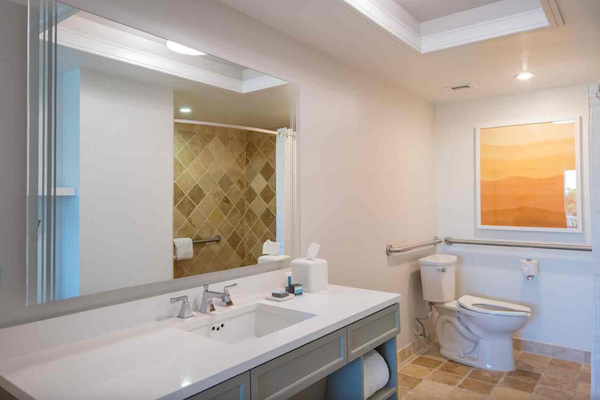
x=462 y=28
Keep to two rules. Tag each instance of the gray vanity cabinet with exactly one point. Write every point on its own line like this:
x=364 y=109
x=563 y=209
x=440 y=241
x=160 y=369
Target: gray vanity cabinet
x=372 y=331
x=237 y=388
x=289 y=374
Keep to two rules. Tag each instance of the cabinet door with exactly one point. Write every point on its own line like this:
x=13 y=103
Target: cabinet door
x=372 y=331
x=289 y=374
x=237 y=388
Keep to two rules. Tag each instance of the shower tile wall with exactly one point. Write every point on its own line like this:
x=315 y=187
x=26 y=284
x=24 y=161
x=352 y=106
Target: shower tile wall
x=224 y=185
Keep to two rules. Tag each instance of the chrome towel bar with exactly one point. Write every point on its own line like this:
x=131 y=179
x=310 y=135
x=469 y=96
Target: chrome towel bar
x=209 y=240
x=528 y=245
x=389 y=250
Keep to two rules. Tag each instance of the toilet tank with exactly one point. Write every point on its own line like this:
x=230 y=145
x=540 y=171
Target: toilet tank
x=438 y=275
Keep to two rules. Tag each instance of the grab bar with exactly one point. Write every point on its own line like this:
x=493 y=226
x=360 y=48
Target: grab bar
x=389 y=250
x=529 y=245
x=209 y=240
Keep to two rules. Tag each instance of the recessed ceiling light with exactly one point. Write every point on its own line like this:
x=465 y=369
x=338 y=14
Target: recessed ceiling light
x=185 y=110
x=524 y=76
x=181 y=49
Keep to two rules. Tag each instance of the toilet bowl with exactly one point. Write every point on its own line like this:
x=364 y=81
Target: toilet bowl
x=473 y=330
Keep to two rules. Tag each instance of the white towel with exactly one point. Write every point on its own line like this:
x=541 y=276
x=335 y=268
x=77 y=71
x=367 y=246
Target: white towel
x=184 y=248
x=376 y=373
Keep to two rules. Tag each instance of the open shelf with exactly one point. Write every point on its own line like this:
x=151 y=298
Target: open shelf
x=384 y=394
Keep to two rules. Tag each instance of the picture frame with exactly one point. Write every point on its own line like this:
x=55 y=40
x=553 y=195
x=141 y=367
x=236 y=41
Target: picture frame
x=493 y=214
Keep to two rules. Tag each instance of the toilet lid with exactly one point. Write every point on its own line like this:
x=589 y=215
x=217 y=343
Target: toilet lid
x=493 y=307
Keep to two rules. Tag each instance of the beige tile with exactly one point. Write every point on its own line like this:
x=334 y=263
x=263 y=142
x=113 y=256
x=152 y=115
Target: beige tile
x=585 y=377
x=460 y=394
x=586 y=368
x=536 y=358
x=445 y=378
x=434 y=353
x=476 y=386
x=416 y=371
x=402 y=392
x=517 y=384
x=583 y=387
x=432 y=390
x=486 y=376
x=555 y=362
x=581 y=396
x=455 y=368
x=559 y=379
x=408 y=381
x=427 y=362
x=525 y=375
x=504 y=393
x=537 y=348
x=567 y=354
x=517 y=344
x=550 y=393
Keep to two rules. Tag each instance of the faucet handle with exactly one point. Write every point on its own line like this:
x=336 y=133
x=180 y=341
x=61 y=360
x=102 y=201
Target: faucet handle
x=186 y=308
x=226 y=288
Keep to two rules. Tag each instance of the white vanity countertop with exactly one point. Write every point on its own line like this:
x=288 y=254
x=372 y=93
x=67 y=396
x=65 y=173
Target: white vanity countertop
x=159 y=361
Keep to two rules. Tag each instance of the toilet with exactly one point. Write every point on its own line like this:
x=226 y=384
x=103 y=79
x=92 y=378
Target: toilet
x=471 y=330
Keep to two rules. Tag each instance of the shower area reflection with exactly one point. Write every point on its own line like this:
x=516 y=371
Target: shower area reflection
x=226 y=184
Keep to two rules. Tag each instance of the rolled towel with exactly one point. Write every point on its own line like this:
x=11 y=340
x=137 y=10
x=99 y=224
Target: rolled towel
x=376 y=373
x=184 y=248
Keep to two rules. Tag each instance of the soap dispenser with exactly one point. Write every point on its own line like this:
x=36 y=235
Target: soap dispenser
x=311 y=272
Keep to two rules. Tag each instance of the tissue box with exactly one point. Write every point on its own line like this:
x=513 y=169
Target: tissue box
x=312 y=274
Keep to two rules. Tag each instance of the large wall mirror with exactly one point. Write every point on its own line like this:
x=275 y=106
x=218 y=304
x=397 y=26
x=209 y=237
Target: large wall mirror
x=135 y=141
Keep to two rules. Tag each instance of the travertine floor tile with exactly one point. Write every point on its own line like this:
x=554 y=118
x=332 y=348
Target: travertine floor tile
x=525 y=375
x=555 y=362
x=486 y=376
x=434 y=353
x=584 y=387
x=434 y=389
x=445 y=378
x=416 y=371
x=503 y=393
x=460 y=394
x=402 y=392
x=476 y=386
x=524 y=356
x=586 y=368
x=427 y=362
x=549 y=393
x=456 y=369
x=408 y=381
x=559 y=380
x=517 y=384
x=531 y=366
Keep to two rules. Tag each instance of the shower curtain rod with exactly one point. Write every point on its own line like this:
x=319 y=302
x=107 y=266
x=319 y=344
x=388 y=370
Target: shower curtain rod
x=244 y=128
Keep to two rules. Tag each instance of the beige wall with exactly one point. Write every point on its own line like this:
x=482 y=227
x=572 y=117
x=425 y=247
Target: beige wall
x=561 y=296
x=367 y=166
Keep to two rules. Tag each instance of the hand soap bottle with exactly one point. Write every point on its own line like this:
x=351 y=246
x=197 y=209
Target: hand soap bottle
x=311 y=272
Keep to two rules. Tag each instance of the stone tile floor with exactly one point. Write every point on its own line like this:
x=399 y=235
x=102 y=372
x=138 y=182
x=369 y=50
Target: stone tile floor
x=429 y=376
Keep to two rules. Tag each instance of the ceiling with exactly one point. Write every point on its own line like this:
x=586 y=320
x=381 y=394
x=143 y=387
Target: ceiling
x=425 y=10
x=558 y=56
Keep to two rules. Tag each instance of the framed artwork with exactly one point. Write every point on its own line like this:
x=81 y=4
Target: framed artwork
x=528 y=176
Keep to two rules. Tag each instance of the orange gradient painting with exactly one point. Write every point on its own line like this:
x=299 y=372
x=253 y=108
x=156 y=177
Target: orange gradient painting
x=528 y=176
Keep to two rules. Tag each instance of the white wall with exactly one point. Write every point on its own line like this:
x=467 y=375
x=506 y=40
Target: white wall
x=366 y=172
x=126 y=183
x=561 y=296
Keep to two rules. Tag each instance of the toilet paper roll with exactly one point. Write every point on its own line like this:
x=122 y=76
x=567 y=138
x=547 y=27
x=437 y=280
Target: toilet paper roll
x=376 y=373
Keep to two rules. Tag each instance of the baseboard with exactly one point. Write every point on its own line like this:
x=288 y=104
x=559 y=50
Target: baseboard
x=550 y=350
x=528 y=346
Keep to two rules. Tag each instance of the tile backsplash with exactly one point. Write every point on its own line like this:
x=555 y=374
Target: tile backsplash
x=224 y=185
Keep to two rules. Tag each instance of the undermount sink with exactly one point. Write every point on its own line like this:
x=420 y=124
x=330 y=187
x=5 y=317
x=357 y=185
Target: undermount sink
x=248 y=322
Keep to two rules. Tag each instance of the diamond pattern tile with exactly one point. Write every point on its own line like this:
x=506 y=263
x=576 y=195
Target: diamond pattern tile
x=225 y=185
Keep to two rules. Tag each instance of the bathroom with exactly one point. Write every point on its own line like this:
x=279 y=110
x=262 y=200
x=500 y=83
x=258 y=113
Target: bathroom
x=381 y=151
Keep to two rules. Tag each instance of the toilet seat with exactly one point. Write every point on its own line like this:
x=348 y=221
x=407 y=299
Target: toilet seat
x=493 y=307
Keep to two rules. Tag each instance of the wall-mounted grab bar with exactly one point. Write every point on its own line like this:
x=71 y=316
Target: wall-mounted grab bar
x=209 y=240
x=529 y=245
x=389 y=250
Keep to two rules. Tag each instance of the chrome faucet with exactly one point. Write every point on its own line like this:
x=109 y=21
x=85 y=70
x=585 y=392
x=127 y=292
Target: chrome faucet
x=207 y=304
x=186 y=308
